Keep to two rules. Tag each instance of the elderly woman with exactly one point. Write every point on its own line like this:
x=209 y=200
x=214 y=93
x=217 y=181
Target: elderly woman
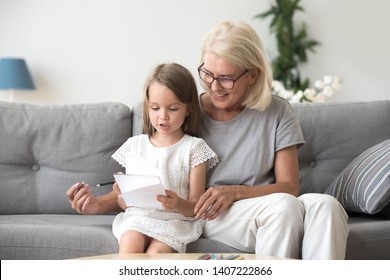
x=251 y=201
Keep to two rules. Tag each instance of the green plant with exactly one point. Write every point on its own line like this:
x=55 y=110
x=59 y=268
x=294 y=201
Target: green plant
x=292 y=44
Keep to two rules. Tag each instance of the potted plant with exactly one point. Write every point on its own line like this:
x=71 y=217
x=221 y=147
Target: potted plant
x=293 y=45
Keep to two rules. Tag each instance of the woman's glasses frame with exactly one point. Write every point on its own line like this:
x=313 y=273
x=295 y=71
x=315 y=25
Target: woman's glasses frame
x=225 y=82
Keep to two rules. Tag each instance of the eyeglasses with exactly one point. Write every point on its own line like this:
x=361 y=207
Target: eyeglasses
x=225 y=82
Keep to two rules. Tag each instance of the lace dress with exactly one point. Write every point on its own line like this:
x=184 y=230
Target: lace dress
x=174 y=164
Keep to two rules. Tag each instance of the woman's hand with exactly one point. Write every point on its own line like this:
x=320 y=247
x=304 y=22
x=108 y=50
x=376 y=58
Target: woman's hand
x=82 y=200
x=214 y=201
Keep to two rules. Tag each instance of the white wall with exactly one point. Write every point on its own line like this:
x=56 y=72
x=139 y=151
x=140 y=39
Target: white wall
x=84 y=51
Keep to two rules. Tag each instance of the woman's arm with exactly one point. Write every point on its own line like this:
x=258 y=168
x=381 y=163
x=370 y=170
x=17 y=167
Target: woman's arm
x=197 y=186
x=216 y=200
x=286 y=176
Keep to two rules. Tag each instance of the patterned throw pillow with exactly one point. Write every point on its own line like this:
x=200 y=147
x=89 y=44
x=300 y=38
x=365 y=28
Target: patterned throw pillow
x=364 y=185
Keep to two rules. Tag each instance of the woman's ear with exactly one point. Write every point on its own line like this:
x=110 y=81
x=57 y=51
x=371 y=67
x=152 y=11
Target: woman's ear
x=254 y=74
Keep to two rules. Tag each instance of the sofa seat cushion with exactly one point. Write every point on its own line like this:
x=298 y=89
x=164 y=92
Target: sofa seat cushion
x=56 y=236
x=368 y=238
x=204 y=245
x=50 y=237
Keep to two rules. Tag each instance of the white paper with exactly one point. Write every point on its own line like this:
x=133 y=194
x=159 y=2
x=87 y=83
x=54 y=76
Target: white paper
x=140 y=190
x=137 y=165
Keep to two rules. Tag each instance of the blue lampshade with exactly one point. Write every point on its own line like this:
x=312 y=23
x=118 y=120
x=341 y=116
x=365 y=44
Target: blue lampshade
x=14 y=74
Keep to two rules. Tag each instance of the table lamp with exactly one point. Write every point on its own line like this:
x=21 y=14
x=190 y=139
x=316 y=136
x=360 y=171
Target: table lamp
x=14 y=74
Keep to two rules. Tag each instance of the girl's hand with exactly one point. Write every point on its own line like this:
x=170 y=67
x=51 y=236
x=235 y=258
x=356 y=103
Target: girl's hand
x=82 y=200
x=116 y=189
x=170 y=201
x=121 y=202
x=214 y=201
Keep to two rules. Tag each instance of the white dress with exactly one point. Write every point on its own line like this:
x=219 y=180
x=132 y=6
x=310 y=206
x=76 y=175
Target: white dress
x=174 y=164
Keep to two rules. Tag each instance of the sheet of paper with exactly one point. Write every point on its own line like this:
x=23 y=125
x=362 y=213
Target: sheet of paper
x=137 y=165
x=140 y=190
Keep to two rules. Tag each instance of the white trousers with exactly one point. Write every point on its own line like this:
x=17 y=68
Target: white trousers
x=312 y=226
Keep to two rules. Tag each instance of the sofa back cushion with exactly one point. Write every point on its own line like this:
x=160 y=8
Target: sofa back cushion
x=46 y=149
x=335 y=134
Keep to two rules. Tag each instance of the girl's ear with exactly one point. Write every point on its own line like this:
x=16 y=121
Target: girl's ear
x=188 y=111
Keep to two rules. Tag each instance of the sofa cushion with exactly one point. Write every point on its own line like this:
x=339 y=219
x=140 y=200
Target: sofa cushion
x=368 y=238
x=364 y=185
x=335 y=134
x=55 y=236
x=45 y=149
x=332 y=139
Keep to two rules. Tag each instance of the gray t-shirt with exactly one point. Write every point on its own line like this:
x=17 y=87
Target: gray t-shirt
x=247 y=144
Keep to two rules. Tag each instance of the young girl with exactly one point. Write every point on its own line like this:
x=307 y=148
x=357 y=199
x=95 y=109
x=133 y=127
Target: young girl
x=171 y=118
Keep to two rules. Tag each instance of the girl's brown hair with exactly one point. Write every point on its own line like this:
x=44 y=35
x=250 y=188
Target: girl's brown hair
x=179 y=80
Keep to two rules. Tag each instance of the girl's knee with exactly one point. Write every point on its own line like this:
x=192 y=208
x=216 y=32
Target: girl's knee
x=157 y=247
x=132 y=242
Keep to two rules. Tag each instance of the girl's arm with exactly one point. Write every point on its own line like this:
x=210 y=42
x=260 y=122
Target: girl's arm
x=197 y=186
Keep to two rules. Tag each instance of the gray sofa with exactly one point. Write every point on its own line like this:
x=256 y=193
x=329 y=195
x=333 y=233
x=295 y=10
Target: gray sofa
x=45 y=149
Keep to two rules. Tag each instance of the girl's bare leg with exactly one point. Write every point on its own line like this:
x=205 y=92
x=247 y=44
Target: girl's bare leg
x=156 y=246
x=133 y=242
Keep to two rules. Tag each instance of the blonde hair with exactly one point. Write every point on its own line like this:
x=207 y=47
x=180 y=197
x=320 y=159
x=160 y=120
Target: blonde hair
x=240 y=45
x=181 y=82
